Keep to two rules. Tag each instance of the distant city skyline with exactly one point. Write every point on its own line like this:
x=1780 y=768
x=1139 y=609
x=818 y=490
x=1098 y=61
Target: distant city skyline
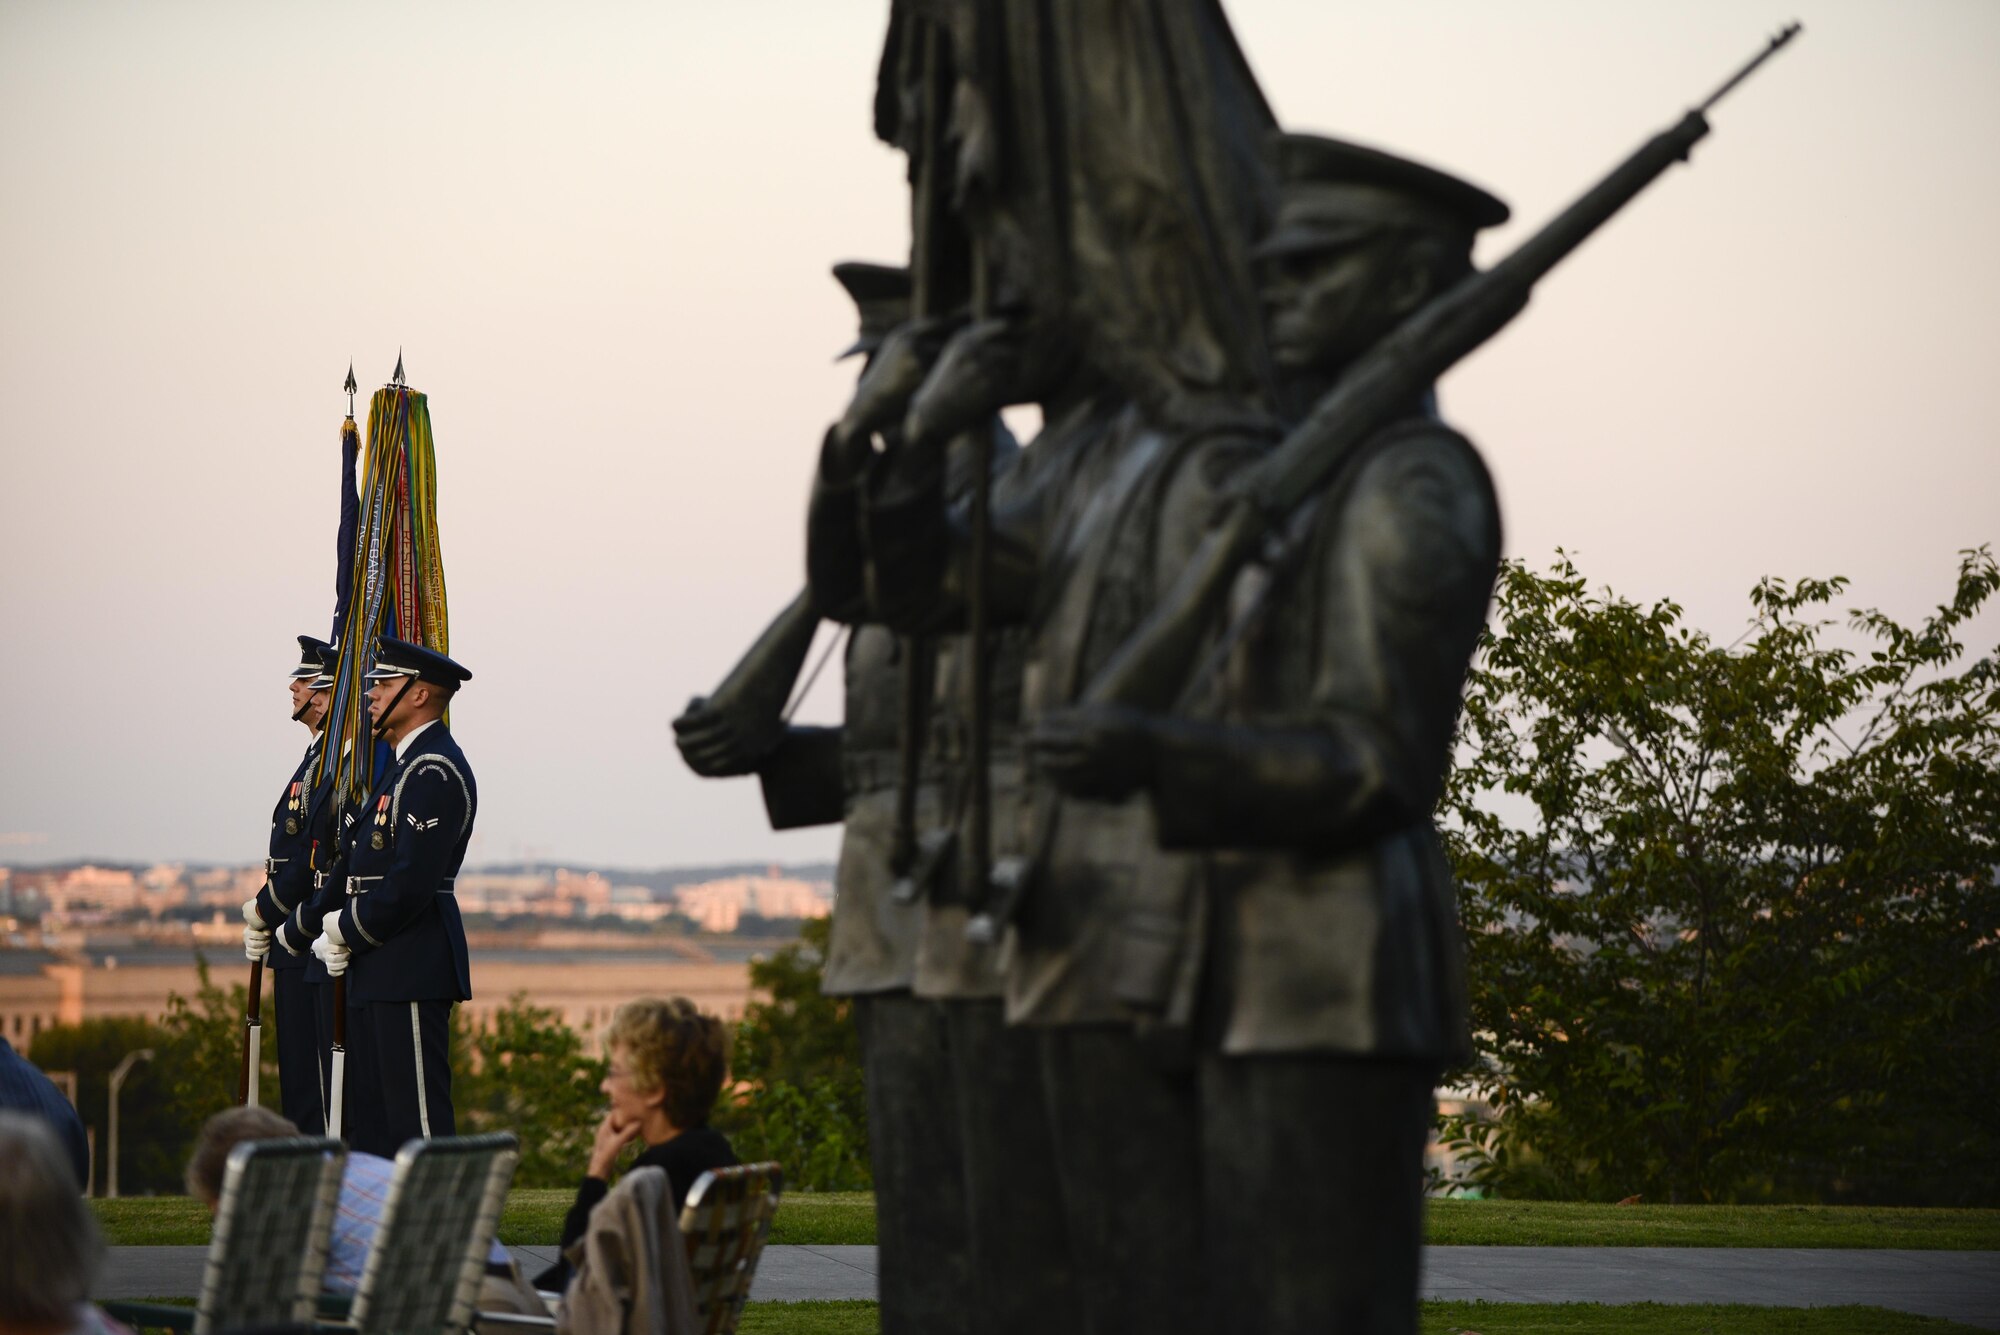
x=88 y=893
x=600 y=234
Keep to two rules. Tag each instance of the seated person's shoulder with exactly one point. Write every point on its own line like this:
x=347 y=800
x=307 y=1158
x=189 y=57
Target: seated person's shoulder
x=687 y=1156
x=710 y=1148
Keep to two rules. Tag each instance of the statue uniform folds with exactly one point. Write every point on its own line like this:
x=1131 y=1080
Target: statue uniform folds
x=852 y=774
x=398 y=935
x=1336 y=919
x=1077 y=526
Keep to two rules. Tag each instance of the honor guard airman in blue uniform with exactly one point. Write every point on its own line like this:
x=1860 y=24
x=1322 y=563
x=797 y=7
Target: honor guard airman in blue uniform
x=287 y=885
x=398 y=937
x=295 y=934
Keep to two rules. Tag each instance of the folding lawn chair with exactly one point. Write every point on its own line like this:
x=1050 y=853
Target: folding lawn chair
x=424 y=1271
x=723 y=1224
x=266 y=1254
x=726 y=1219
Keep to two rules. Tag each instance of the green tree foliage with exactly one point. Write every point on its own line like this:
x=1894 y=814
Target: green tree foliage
x=796 y=1066
x=204 y=1062
x=149 y=1127
x=530 y=1074
x=1732 y=912
x=197 y=1060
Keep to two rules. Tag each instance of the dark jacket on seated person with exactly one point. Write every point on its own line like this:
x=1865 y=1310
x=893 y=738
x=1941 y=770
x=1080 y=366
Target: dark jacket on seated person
x=24 y=1088
x=683 y=1159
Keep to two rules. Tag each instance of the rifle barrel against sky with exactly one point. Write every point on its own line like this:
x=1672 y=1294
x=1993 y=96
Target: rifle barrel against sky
x=1150 y=669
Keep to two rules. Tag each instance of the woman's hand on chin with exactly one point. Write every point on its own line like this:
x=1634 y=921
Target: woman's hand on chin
x=612 y=1137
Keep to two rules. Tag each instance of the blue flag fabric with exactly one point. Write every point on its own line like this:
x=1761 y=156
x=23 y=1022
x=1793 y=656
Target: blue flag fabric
x=350 y=523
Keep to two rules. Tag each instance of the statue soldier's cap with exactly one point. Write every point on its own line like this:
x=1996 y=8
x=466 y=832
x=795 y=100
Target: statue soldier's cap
x=400 y=658
x=314 y=655
x=1333 y=193
x=881 y=294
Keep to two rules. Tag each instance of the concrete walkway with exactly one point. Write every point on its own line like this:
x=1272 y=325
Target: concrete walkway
x=1959 y=1286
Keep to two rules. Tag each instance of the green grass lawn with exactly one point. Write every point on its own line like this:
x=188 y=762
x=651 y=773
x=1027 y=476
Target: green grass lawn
x=1673 y=1319
x=853 y=1318
x=861 y=1318
x=1566 y=1224
x=534 y=1218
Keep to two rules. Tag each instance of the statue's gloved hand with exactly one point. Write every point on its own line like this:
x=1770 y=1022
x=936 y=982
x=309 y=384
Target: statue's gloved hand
x=1101 y=752
x=894 y=372
x=724 y=735
x=979 y=372
x=256 y=943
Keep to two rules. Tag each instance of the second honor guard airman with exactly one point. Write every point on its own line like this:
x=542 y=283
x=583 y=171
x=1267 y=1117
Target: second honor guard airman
x=287 y=884
x=398 y=938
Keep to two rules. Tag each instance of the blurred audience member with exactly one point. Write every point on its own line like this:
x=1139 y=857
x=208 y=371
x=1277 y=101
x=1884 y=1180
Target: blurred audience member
x=52 y=1249
x=24 y=1088
x=364 y=1189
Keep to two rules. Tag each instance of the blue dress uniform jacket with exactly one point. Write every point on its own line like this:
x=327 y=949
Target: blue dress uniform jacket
x=288 y=863
x=326 y=819
x=401 y=853
x=322 y=895
x=288 y=888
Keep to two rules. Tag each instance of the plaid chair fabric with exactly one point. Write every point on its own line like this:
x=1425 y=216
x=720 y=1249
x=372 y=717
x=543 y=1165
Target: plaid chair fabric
x=423 y=1274
x=266 y=1254
x=725 y=1221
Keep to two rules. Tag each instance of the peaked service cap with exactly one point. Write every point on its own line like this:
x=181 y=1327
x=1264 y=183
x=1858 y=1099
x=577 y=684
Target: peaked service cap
x=1332 y=193
x=400 y=658
x=314 y=655
x=881 y=294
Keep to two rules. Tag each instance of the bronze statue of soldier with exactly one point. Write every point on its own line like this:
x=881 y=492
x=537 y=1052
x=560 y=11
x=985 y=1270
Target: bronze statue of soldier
x=967 y=1202
x=1306 y=772
x=1244 y=591
x=849 y=774
x=1100 y=510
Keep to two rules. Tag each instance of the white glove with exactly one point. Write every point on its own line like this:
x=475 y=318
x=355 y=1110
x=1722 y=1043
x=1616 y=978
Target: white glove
x=330 y=924
x=256 y=943
x=284 y=939
x=332 y=954
x=252 y=917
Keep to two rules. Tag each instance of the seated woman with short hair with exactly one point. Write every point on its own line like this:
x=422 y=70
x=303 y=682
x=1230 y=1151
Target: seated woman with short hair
x=667 y=1065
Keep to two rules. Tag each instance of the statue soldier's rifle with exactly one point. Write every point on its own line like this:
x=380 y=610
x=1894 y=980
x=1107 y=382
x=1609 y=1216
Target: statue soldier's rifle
x=1150 y=670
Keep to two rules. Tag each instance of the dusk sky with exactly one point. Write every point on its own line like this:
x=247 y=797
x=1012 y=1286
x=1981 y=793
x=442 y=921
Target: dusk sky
x=600 y=235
